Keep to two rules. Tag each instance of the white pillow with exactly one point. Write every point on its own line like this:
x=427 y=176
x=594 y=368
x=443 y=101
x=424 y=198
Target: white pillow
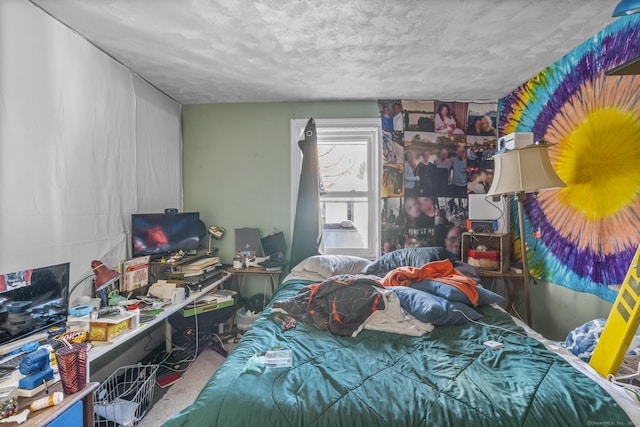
x=332 y=265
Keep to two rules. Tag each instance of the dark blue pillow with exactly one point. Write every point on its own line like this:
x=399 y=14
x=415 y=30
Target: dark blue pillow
x=410 y=257
x=433 y=309
x=454 y=294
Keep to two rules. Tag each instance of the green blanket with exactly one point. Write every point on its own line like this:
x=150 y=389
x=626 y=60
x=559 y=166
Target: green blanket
x=446 y=377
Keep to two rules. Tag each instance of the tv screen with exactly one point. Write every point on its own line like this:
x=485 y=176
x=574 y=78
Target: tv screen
x=32 y=300
x=156 y=234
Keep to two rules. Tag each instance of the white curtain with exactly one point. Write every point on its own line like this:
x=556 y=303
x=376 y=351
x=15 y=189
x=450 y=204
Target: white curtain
x=84 y=143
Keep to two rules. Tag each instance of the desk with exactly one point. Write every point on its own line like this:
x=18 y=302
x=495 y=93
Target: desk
x=513 y=285
x=103 y=349
x=47 y=415
x=240 y=273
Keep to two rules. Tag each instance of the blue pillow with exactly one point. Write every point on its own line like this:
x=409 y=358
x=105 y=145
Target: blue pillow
x=454 y=294
x=410 y=257
x=433 y=309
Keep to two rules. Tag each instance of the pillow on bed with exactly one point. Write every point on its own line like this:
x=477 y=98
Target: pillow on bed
x=410 y=257
x=332 y=265
x=454 y=294
x=433 y=309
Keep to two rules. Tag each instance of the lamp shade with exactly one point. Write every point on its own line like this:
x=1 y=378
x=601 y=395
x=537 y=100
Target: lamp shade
x=104 y=275
x=527 y=169
x=626 y=7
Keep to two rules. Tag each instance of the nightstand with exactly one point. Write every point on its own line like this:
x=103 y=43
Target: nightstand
x=514 y=285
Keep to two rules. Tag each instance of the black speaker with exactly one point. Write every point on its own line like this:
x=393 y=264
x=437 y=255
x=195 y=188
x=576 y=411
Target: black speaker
x=171 y=211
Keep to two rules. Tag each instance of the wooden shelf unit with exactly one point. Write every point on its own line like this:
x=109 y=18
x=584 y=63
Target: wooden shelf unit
x=494 y=242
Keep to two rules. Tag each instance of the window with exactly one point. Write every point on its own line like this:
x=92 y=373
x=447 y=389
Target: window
x=348 y=151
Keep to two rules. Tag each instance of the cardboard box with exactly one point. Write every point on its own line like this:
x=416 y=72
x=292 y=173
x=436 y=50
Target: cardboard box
x=106 y=329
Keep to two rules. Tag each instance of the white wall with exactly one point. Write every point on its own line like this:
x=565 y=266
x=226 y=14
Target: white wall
x=84 y=143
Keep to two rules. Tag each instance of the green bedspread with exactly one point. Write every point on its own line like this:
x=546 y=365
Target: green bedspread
x=446 y=377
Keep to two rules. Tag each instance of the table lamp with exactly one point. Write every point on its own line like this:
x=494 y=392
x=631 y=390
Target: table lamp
x=522 y=171
x=104 y=277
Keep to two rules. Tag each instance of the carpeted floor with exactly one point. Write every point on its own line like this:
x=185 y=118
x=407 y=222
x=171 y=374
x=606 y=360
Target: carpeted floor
x=182 y=393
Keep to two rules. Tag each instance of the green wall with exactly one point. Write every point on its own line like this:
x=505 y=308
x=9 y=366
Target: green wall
x=236 y=163
x=236 y=174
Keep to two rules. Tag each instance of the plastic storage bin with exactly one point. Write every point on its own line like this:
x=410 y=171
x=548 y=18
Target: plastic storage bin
x=126 y=396
x=245 y=319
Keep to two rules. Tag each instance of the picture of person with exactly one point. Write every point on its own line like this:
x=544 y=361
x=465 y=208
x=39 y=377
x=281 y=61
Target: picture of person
x=392 y=214
x=387 y=119
x=392 y=180
x=459 y=173
x=411 y=180
x=424 y=170
x=444 y=120
x=475 y=126
x=482 y=126
x=398 y=118
x=415 y=218
x=428 y=207
x=392 y=152
x=476 y=183
x=457 y=210
x=486 y=126
x=482 y=119
x=420 y=220
x=443 y=161
x=453 y=239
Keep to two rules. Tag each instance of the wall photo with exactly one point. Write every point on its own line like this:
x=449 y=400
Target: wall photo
x=391 y=115
x=442 y=166
x=419 y=115
x=392 y=180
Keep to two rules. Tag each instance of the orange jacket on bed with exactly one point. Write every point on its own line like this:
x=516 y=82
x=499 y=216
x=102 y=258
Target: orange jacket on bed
x=441 y=271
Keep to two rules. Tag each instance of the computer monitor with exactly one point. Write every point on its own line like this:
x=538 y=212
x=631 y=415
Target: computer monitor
x=159 y=234
x=274 y=246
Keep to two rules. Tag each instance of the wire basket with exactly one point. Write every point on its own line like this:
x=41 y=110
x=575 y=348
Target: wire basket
x=125 y=397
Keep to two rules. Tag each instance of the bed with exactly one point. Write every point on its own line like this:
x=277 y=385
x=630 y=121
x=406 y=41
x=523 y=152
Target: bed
x=444 y=377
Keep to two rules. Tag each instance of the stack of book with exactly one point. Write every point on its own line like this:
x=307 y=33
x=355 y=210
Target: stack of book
x=200 y=266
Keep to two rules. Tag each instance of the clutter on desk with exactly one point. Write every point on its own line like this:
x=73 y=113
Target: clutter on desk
x=162 y=289
x=108 y=327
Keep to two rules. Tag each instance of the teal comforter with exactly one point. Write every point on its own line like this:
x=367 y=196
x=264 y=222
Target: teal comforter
x=446 y=377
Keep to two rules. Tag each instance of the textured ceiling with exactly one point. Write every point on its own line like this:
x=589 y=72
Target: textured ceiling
x=200 y=51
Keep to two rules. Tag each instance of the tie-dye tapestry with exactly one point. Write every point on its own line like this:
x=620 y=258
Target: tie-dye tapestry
x=434 y=154
x=591 y=228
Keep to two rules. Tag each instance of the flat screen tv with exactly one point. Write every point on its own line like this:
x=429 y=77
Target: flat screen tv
x=32 y=300
x=158 y=234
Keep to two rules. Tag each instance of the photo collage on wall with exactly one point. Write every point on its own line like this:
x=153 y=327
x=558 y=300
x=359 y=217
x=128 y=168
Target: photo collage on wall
x=434 y=154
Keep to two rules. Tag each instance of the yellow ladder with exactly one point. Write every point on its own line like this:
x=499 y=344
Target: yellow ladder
x=621 y=325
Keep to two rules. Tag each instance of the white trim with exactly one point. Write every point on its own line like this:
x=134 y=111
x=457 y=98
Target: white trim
x=368 y=129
